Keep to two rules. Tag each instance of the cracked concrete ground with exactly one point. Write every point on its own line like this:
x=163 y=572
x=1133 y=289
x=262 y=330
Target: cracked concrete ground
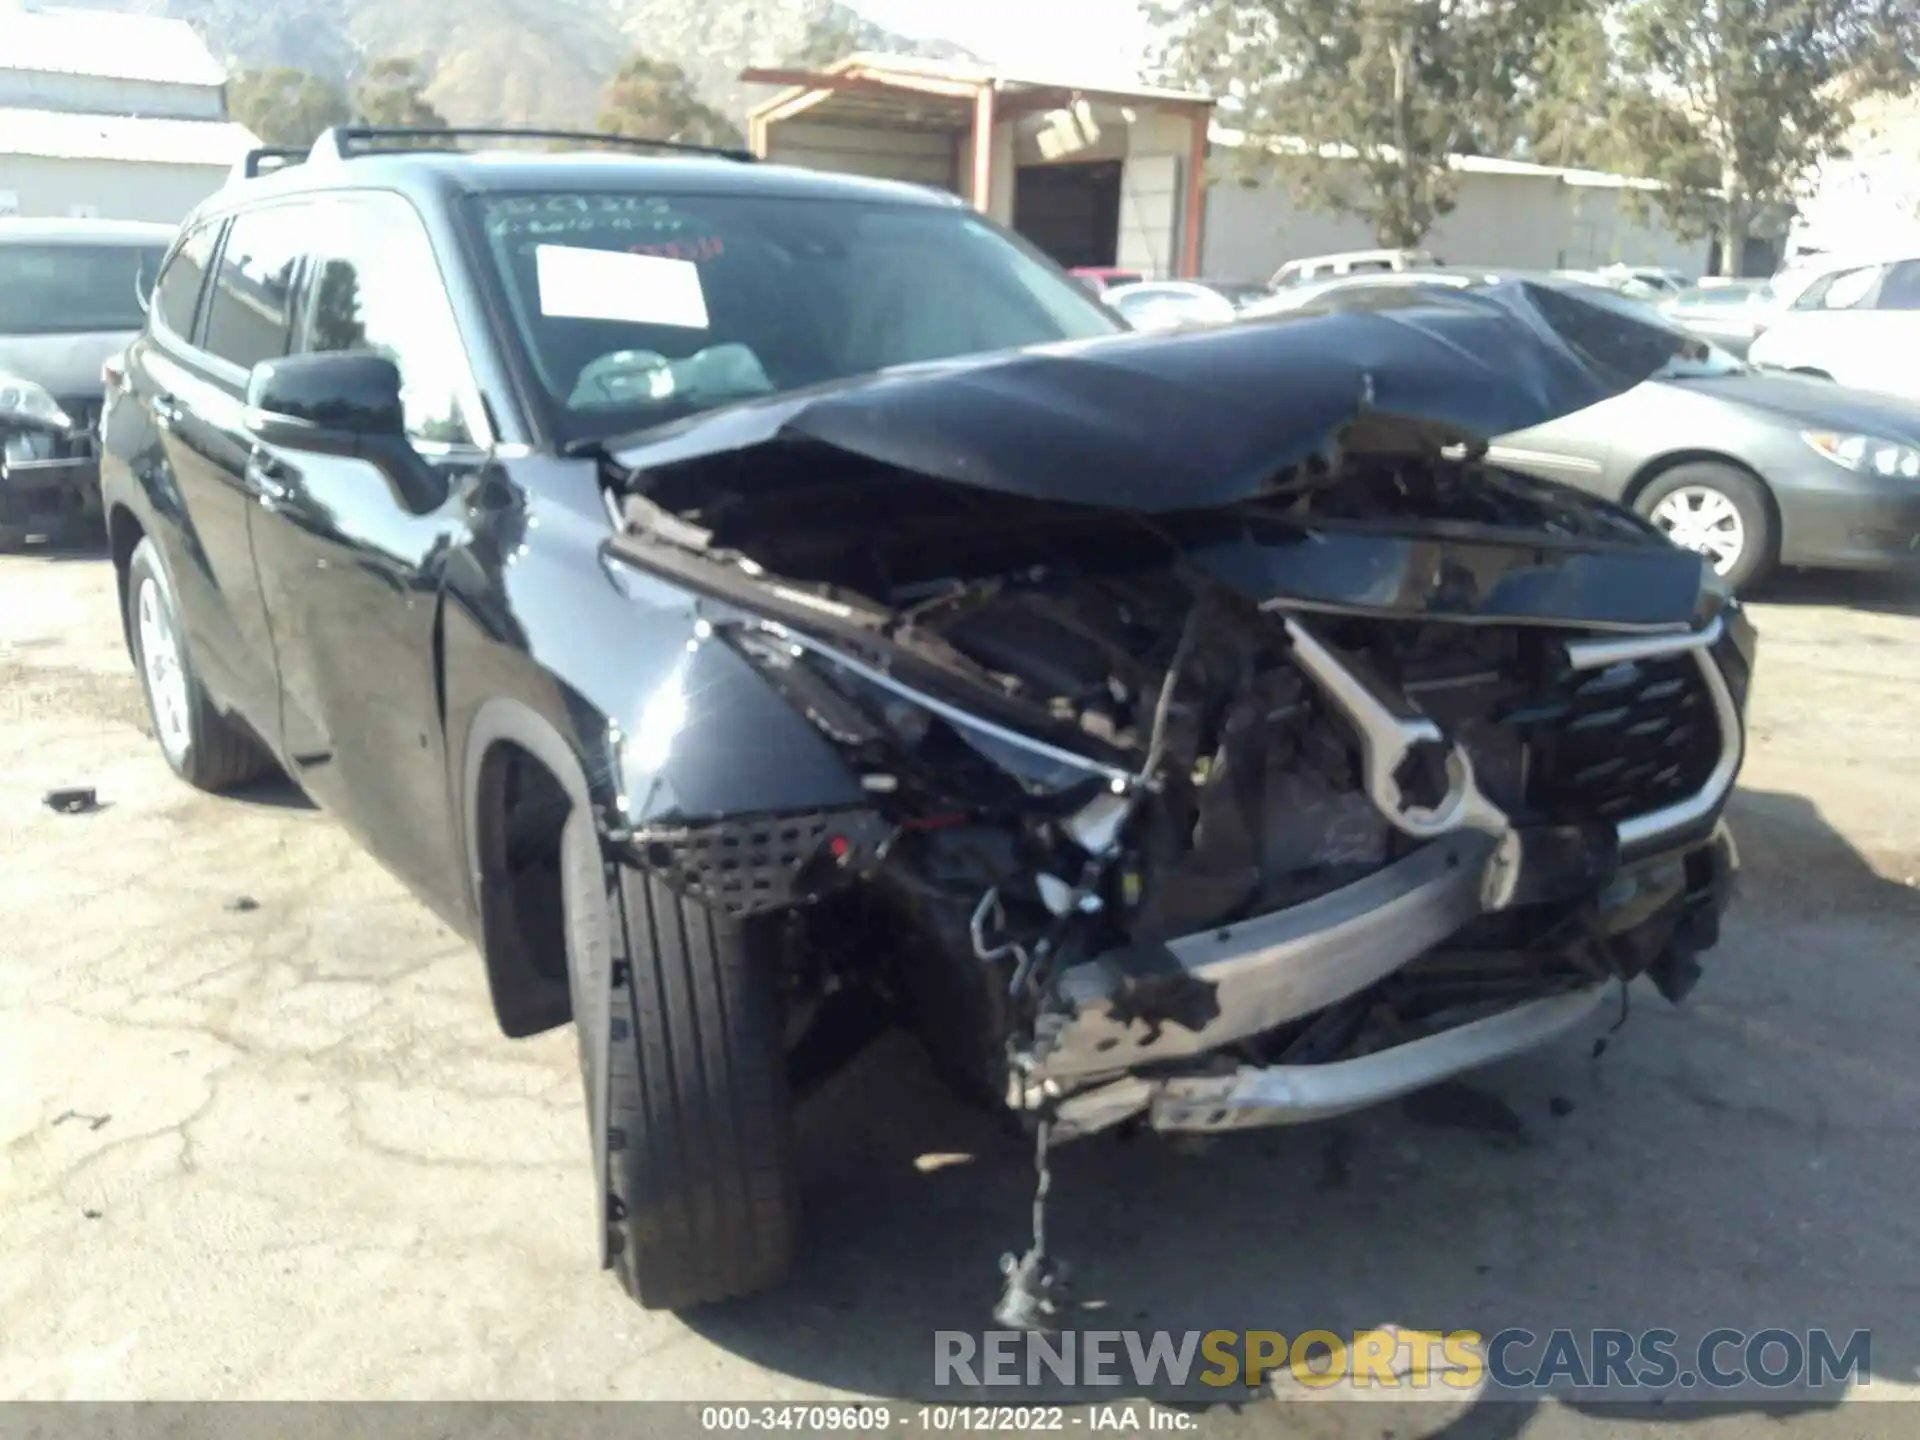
x=280 y=1150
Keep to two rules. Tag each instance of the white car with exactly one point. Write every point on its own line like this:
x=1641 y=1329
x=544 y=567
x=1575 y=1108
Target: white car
x=1859 y=325
x=1349 y=262
x=1171 y=304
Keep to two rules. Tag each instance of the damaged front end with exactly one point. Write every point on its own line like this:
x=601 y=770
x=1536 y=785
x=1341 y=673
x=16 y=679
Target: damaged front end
x=1270 y=788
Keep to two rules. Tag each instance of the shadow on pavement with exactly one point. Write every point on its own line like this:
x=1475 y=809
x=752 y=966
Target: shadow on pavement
x=64 y=548
x=276 y=792
x=1881 y=594
x=1721 y=1164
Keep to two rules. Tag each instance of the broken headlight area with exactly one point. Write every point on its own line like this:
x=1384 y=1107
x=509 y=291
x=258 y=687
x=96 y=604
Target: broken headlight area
x=1245 y=866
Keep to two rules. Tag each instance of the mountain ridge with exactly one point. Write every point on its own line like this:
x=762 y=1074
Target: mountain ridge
x=528 y=62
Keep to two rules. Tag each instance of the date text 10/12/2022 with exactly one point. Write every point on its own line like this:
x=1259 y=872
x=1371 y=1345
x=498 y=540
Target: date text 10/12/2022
x=812 y=1420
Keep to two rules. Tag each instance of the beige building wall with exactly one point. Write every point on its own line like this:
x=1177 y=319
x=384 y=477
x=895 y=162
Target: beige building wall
x=104 y=95
x=35 y=185
x=1531 y=220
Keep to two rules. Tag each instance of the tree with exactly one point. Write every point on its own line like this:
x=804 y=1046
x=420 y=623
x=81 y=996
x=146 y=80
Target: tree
x=1362 y=102
x=1568 y=104
x=285 y=107
x=654 y=100
x=1741 y=100
x=392 y=91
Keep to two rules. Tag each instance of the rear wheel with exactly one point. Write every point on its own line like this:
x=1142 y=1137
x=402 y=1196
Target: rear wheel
x=702 y=1203
x=206 y=748
x=1718 y=510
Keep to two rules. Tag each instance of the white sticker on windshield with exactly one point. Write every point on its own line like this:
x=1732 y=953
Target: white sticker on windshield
x=614 y=285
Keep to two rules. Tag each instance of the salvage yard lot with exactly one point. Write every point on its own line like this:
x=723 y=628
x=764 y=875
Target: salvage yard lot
x=262 y=1138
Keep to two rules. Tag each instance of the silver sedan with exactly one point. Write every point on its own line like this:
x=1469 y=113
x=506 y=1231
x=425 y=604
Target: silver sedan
x=1752 y=469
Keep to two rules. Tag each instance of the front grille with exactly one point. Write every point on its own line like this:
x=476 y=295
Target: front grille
x=1552 y=745
x=1620 y=742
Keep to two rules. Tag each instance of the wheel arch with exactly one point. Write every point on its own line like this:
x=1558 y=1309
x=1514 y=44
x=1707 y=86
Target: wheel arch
x=124 y=534
x=1653 y=469
x=517 y=765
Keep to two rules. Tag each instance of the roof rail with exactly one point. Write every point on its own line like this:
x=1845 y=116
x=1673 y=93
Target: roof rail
x=343 y=141
x=260 y=160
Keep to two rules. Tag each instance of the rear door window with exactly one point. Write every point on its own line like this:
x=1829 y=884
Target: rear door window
x=177 y=298
x=73 y=288
x=250 y=313
x=1901 y=289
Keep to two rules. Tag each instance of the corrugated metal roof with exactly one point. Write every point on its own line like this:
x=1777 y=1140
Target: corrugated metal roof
x=105 y=43
x=65 y=136
x=903 y=70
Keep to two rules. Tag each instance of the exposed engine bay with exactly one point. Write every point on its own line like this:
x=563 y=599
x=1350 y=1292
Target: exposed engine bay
x=1381 y=766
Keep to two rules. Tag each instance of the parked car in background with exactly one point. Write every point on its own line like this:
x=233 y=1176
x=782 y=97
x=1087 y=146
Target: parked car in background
x=1349 y=262
x=1306 y=293
x=1729 y=314
x=721 y=592
x=1661 y=278
x=1102 y=278
x=71 y=297
x=1241 y=293
x=1859 y=325
x=1620 y=281
x=1750 y=468
x=1174 y=304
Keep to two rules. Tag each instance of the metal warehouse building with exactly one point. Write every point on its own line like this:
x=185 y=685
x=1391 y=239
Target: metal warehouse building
x=1147 y=179
x=1092 y=174
x=118 y=116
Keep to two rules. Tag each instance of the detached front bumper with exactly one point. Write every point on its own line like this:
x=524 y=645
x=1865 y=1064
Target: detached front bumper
x=1144 y=1032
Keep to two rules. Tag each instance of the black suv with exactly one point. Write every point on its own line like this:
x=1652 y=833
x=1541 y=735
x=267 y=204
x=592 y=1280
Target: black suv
x=743 y=600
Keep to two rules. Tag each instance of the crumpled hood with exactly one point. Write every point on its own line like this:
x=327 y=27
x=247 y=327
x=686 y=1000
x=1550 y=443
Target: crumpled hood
x=1195 y=420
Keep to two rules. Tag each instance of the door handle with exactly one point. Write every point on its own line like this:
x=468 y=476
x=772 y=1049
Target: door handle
x=166 y=410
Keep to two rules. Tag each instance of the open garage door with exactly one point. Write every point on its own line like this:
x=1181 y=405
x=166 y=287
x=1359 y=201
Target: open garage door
x=1071 y=211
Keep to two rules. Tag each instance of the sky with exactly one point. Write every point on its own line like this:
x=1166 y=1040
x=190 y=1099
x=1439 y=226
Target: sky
x=1083 y=39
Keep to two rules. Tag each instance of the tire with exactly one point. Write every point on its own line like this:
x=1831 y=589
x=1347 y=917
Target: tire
x=204 y=747
x=702 y=1201
x=1746 y=499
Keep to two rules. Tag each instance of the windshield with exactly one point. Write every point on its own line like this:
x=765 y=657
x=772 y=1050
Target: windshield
x=635 y=310
x=74 y=289
x=1714 y=297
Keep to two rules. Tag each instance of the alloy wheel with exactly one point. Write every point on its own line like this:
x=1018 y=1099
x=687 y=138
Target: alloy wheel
x=1700 y=518
x=161 y=666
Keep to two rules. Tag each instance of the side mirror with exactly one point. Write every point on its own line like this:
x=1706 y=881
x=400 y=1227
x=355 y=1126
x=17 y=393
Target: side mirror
x=341 y=403
x=330 y=403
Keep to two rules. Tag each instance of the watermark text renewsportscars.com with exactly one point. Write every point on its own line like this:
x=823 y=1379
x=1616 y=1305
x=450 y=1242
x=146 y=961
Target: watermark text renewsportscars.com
x=1450 y=1361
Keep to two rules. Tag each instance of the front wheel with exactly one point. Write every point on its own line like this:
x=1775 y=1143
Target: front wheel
x=702 y=1201
x=1719 y=511
x=205 y=747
